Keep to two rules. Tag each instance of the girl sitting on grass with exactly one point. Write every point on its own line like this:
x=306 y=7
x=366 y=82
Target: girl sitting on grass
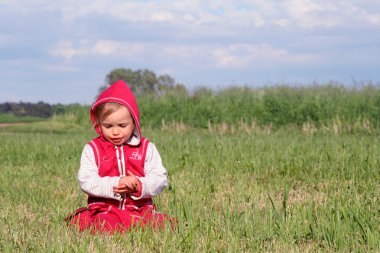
x=120 y=171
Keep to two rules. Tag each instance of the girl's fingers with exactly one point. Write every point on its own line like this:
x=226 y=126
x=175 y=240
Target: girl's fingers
x=122 y=190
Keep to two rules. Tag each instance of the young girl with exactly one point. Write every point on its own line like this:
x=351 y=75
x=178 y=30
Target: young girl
x=120 y=170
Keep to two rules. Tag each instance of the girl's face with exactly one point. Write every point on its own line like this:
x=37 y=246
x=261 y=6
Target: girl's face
x=118 y=127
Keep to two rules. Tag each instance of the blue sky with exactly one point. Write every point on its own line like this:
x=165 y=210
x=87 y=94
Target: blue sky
x=61 y=51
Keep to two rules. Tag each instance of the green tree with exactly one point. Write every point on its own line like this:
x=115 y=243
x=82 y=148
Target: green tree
x=168 y=86
x=141 y=82
x=144 y=82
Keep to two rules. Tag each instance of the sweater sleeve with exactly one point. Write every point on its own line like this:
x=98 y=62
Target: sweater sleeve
x=155 y=179
x=89 y=180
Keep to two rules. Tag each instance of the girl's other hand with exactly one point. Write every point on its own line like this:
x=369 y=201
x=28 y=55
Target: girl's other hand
x=127 y=184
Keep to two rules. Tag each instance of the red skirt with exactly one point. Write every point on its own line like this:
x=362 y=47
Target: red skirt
x=104 y=217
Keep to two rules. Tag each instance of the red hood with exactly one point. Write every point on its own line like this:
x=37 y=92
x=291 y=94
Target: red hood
x=118 y=92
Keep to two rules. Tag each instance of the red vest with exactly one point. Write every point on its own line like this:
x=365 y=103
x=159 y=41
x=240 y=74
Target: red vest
x=109 y=160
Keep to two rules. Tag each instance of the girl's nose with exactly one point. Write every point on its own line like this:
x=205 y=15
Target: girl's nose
x=115 y=131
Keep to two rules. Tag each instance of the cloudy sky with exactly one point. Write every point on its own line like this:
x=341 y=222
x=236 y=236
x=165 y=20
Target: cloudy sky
x=60 y=51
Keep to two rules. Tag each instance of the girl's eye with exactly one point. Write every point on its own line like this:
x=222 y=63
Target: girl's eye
x=123 y=125
x=107 y=126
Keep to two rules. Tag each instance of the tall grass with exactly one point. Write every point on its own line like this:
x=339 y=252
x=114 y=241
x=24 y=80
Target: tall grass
x=276 y=191
x=311 y=107
x=319 y=105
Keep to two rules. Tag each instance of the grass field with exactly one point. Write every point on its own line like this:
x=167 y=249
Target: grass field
x=281 y=191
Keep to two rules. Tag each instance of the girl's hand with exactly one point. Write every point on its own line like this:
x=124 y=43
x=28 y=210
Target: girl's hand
x=127 y=184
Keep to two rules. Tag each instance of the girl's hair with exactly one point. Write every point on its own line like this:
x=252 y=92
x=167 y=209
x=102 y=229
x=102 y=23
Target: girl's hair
x=104 y=110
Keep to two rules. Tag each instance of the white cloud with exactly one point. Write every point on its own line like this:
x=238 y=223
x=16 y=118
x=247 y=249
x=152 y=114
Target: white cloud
x=281 y=22
x=5 y=39
x=66 y=50
x=108 y=47
x=312 y=13
x=216 y=15
x=206 y=55
x=248 y=55
x=64 y=68
x=243 y=55
x=309 y=14
x=305 y=13
x=373 y=19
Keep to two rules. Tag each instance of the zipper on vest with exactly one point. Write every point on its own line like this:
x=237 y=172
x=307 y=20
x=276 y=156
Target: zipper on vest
x=118 y=161
x=123 y=161
x=121 y=166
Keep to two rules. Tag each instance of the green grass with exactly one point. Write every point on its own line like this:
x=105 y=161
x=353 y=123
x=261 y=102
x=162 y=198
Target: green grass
x=11 y=118
x=233 y=192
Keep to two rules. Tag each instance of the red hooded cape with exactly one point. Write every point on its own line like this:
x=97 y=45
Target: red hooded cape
x=119 y=92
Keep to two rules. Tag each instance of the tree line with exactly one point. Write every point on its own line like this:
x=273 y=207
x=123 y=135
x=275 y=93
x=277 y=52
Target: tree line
x=22 y=109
